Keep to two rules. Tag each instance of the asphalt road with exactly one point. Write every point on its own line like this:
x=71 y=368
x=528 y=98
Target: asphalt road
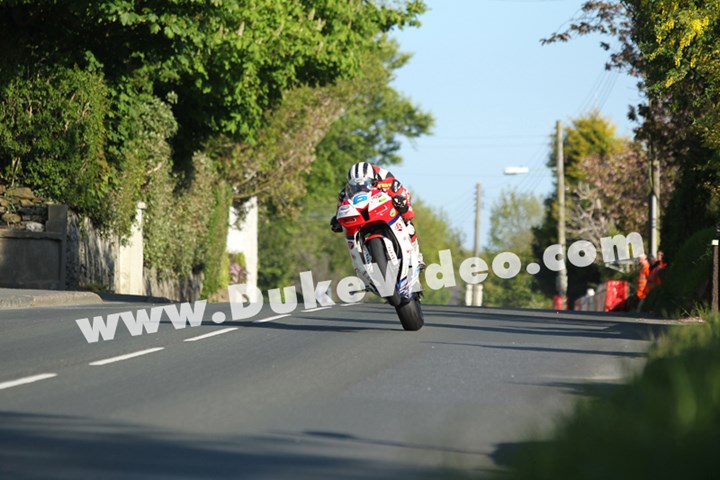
x=340 y=393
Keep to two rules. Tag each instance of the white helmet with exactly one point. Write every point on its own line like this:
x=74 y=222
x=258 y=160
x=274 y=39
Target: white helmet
x=361 y=172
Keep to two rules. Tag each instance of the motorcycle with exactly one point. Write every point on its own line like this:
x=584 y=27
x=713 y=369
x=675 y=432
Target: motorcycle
x=381 y=250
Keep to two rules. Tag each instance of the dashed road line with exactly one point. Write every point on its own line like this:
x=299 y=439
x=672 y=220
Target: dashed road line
x=127 y=356
x=317 y=309
x=211 y=334
x=270 y=319
x=26 y=380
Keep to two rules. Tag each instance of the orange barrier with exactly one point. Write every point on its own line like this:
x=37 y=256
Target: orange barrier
x=609 y=297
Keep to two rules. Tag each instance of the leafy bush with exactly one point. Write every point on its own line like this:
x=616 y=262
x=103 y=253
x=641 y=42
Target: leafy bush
x=141 y=126
x=52 y=134
x=685 y=281
x=186 y=223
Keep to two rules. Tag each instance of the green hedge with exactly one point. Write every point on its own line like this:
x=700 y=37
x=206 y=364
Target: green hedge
x=186 y=223
x=101 y=149
x=685 y=282
x=52 y=134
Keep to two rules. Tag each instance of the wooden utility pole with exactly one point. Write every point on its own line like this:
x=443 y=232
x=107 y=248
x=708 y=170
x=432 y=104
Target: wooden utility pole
x=478 y=192
x=560 y=172
x=715 y=260
x=654 y=203
x=477 y=288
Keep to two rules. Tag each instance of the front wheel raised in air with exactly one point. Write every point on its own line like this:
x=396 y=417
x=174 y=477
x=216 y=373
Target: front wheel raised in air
x=411 y=315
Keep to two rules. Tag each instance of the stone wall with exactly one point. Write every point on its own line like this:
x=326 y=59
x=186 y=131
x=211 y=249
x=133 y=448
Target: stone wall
x=102 y=262
x=45 y=246
x=20 y=209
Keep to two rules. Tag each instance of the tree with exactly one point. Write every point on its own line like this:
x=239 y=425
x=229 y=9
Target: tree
x=228 y=61
x=512 y=219
x=671 y=47
x=679 y=41
x=220 y=66
x=123 y=96
x=589 y=138
x=298 y=204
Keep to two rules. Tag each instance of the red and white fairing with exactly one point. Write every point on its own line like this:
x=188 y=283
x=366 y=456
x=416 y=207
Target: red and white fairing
x=367 y=212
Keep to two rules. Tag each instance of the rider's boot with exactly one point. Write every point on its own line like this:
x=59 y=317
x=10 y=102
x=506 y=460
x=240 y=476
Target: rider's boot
x=416 y=245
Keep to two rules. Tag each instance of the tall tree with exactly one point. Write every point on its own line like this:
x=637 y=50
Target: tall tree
x=295 y=235
x=589 y=137
x=512 y=218
x=671 y=47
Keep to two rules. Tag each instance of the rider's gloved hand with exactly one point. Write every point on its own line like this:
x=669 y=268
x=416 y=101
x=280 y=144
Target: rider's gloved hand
x=400 y=203
x=335 y=226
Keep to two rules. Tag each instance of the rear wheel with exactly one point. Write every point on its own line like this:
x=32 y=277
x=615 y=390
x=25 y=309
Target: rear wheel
x=411 y=315
x=376 y=246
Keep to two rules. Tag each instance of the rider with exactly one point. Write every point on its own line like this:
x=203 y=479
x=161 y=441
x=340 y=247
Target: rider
x=362 y=172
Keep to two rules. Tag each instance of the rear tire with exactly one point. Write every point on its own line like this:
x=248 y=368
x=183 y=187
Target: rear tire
x=411 y=315
x=379 y=256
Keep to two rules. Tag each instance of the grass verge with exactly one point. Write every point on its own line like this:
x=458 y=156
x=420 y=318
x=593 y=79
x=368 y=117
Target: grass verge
x=664 y=424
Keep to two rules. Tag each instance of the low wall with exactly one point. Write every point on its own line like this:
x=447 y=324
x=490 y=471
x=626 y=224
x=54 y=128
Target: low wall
x=102 y=262
x=35 y=259
x=46 y=247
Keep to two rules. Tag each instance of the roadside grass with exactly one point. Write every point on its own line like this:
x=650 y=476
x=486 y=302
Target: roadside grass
x=663 y=424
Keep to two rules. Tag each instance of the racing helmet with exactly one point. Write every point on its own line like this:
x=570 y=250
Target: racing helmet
x=361 y=172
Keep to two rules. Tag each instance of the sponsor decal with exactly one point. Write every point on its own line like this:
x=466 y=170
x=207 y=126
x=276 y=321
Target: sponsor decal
x=360 y=198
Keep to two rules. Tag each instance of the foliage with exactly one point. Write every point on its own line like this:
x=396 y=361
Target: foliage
x=435 y=234
x=588 y=135
x=680 y=43
x=186 y=222
x=285 y=149
x=613 y=196
x=589 y=138
x=295 y=234
x=211 y=255
x=672 y=48
x=156 y=101
x=685 y=283
x=512 y=218
x=52 y=133
x=662 y=425
x=228 y=61
x=142 y=127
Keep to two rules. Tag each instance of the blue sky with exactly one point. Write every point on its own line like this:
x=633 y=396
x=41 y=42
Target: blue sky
x=496 y=94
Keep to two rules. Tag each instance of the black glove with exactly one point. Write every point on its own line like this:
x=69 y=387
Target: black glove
x=335 y=226
x=400 y=203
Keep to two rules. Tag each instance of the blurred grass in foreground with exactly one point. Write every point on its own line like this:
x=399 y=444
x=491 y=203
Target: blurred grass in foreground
x=664 y=424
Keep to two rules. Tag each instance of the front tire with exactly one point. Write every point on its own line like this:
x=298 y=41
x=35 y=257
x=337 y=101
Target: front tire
x=376 y=246
x=411 y=315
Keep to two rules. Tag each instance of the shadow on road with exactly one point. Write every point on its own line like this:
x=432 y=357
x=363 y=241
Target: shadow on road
x=543 y=322
x=549 y=349
x=36 y=446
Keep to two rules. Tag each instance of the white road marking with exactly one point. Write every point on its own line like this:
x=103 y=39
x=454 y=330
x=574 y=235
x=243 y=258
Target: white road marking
x=120 y=358
x=211 y=334
x=23 y=381
x=270 y=319
x=350 y=304
x=310 y=310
